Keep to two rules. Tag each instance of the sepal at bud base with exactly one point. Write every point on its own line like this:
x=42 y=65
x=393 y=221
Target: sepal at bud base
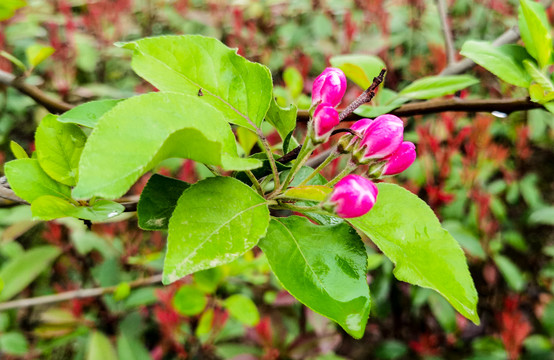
x=323 y=122
x=401 y=159
x=352 y=196
x=329 y=87
x=347 y=143
x=381 y=138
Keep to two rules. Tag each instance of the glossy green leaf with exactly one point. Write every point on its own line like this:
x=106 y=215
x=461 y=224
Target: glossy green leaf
x=8 y=8
x=324 y=267
x=243 y=309
x=437 y=86
x=309 y=192
x=141 y=131
x=216 y=221
x=538 y=76
x=189 y=300
x=37 y=53
x=535 y=31
x=20 y=271
x=198 y=65
x=100 y=347
x=505 y=61
x=511 y=273
x=407 y=231
x=59 y=148
x=359 y=68
x=88 y=113
x=18 y=151
x=29 y=181
x=13 y=343
x=282 y=119
x=158 y=200
x=50 y=207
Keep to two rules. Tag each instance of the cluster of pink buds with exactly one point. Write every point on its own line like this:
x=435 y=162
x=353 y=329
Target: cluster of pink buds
x=327 y=92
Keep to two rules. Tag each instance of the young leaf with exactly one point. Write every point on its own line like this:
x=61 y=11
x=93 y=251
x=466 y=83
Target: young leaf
x=535 y=31
x=141 y=131
x=195 y=65
x=189 y=300
x=37 y=53
x=282 y=119
x=243 y=309
x=437 y=86
x=158 y=200
x=88 y=113
x=511 y=273
x=22 y=270
x=100 y=347
x=29 y=181
x=409 y=234
x=309 y=192
x=293 y=81
x=59 y=148
x=18 y=150
x=129 y=347
x=538 y=76
x=324 y=267
x=216 y=221
x=503 y=61
x=8 y=8
x=50 y=207
x=359 y=68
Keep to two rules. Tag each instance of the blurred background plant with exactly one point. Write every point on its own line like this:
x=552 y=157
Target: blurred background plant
x=489 y=177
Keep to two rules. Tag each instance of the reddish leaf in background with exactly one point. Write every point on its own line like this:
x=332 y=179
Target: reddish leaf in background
x=514 y=327
x=426 y=345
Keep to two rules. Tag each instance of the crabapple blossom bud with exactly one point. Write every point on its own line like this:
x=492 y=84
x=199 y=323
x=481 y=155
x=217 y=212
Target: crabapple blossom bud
x=324 y=121
x=352 y=196
x=347 y=142
x=329 y=87
x=381 y=138
x=400 y=160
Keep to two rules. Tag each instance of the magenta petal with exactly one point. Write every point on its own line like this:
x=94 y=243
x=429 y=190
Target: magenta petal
x=329 y=87
x=401 y=159
x=325 y=119
x=353 y=196
x=383 y=136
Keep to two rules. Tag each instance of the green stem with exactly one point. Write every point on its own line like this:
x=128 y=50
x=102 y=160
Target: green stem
x=334 y=155
x=303 y=156
x=213 y=170
x=255 y=182
x=270 y=157
x=350 y=166
x=303 y=209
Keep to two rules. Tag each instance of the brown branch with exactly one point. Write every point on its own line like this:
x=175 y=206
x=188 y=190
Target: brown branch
x=447 y=33
x=50 y=103
x=75 y=294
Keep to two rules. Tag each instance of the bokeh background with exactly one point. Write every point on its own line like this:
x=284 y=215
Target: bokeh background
x=490 y=179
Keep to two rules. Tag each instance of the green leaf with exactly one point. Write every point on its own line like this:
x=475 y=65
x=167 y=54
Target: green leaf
x=189 y=300
x=141 y=131
x=544 y=216
x=282 y=119
x=466 y=238
x=131 y=348
x=13 y=343
x=29 y=181
x=535 y=31
x=309 y=192
x=208 y=280
x=193 y=63
x=59 y=148
x=294 y=81
x=359 y=68
x=88 y=114
x=216 y=221
x=100 y=347
x=324 y=267
x=8 y=8
x=12 y=58
x=538 y=76
x=511 y=273
x=37 y=53
x=19 y=272
x=443 y=312
x=372 y=111
x=243 y=309
x=247 y=139
x=437 y=86
x=158 y=200
x=505 y=61
x=122 y=291
x=18 y=150
x=50 y=207
x=409 y=234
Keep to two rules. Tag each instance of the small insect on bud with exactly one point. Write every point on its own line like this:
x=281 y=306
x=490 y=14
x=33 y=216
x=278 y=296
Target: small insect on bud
x=352 y=196
x=400 y=160
x=329 y=87
x=324 y=121
x=381 y=138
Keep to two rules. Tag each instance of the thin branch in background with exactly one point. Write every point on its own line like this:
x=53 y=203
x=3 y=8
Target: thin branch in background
x=75 y=294
x=446 y=31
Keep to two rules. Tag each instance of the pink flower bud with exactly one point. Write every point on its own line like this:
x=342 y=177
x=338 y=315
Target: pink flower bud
x=381 y=138
x=353 y=196
x=361 y=125
x=324 y=121
x=348 y=142
x=401 y=159
x=329 y=87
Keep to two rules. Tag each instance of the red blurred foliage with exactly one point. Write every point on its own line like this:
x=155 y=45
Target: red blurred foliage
x=426 y=345
x=514 y=327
